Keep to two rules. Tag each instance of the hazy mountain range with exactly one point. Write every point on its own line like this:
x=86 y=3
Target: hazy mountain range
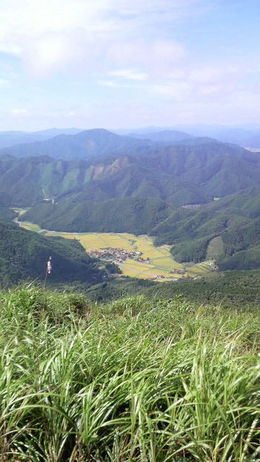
x=96 y=180
x=11 y=138
x=178 y=174
x=244 y=136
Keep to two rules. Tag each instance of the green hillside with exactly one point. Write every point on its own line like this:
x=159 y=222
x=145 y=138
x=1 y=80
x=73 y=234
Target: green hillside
x=227 y=230
x=132 y=215
x=24 y=254
x=239 y=289
x=178 y=175
x=231 y=223
x=143 y=192
x=6 y=214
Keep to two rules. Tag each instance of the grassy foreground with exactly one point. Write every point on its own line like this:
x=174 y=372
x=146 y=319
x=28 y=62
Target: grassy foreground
x=135 y=380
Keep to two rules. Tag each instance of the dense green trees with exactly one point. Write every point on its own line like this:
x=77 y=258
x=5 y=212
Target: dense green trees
x=24 y=254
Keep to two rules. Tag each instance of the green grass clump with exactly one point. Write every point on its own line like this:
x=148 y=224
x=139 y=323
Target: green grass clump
x=135 y=380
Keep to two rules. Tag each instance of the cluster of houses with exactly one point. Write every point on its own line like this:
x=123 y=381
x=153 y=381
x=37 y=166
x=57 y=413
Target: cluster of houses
x=213 y=265
x=118 y=255
x=177 y=271
x=159 y=277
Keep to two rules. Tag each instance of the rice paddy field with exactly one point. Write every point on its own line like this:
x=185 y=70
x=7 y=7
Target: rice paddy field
x=136 y=380
x=161 y=260
x=162 y=264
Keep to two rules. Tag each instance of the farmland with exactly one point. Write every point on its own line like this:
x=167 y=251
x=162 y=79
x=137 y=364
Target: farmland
x=161 y=265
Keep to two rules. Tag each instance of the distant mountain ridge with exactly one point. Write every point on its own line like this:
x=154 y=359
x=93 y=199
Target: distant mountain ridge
x=96 y=180
x=178 y=175
x=163 y=136
x=100 y=143
x=243 y=136
x=87 y=144
x=11 y=138
x=248 y=137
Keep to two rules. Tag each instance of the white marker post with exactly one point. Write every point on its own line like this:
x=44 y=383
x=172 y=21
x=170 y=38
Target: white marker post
x=48 y=270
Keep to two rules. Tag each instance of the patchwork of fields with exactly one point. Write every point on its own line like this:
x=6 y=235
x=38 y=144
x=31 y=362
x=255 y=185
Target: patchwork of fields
x=161 y=267
x=161 y=261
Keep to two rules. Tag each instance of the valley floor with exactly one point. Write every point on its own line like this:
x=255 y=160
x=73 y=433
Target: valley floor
x=153 y=263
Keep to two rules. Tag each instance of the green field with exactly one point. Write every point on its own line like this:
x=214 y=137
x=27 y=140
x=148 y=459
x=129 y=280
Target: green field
x=162 y=263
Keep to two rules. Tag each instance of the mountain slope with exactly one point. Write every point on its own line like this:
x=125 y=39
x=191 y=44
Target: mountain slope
x=178 y=175
x=23 y=255
x=244 y=137
x=229 y=226
x=11 y=138
x=86 y=144
x=163 y=136
x=132 y=215
x=141 y=192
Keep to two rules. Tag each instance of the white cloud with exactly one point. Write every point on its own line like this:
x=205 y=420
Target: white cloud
x=130 y=46
x=71 y=113
x=155 y=57
x=19 y=112
x=52 y=34
x=3 y=82
x=193 y=84
x=177 y=91
x=112 y=84
x=129 y=74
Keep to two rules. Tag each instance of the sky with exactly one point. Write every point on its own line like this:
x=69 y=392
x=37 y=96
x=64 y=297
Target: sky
x=128 y=63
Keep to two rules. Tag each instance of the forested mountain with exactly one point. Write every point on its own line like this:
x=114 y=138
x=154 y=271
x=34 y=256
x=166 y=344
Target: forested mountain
x=178 y=175
x=140 y=186
x=86 y=144
x=129 y=214
x=243 y=136
x=11 y=138
x=24 y=255
x=163 y=136
x=248 y=138
x=227 y=230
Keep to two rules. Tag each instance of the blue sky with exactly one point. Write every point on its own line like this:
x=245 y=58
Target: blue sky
x=122 y=63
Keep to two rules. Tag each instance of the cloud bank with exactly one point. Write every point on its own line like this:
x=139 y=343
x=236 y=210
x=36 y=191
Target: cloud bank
x=115 y=56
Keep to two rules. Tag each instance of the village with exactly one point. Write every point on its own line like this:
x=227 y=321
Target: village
x=118 y=255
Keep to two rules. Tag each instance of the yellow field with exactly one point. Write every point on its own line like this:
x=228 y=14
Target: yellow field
x=145 y=271
x=161 y=264
x=31 y=226
x=199 y=268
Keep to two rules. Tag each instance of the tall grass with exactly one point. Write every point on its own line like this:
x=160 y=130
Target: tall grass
x=135 y=380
